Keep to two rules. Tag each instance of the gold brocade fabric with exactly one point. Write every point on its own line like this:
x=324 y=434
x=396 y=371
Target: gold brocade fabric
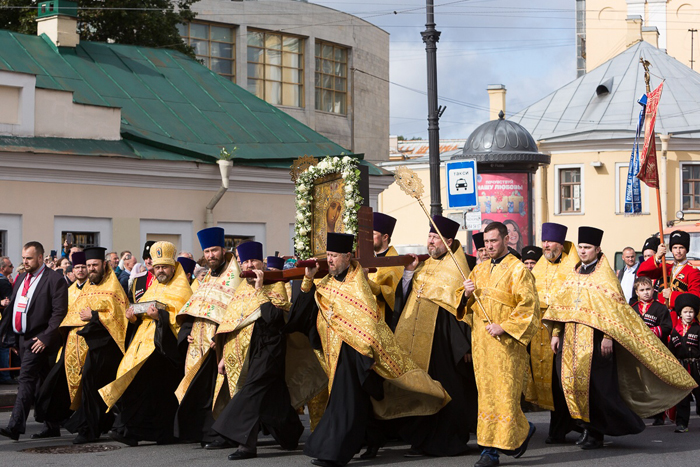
x=650 y=378
x=436 y=283
x=174 y=295
x=110 y=302
x=348 y=313
x=304 y=374
x=214 y=294
x=237 y=330
x=548 y=278
x=507 y=292
x=384 y=283
x=207 y=306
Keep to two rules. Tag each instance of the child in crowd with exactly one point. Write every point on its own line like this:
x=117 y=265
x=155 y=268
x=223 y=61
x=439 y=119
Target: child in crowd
x=655 y=315
x=685 y=346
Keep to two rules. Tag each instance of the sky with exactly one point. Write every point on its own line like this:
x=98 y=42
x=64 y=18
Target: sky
x=527 y=45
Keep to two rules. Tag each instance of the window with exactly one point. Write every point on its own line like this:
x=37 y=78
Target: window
x=569 y=190
x=276 y=68
x=331 y=78
x=213 y=45
x=82 y=239
x=3 y=243
x=232 y=241
x=690 y=174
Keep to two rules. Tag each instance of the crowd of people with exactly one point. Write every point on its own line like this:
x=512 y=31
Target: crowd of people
x=430 y=351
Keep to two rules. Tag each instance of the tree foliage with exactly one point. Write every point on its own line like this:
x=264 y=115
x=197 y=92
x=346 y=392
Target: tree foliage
x=149 y=23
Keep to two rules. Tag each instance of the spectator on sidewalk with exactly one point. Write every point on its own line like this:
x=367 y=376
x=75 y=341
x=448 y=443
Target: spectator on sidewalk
x=5 y=294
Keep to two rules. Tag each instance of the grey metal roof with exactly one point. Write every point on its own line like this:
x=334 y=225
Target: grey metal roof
x=575 y=112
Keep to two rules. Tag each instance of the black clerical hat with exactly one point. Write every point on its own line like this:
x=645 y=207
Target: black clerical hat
x=590 y=235
x=275 y=262
x=339 y=242
x=77 y=258
x=250 y=250
x=95 y=252
x=478 y=240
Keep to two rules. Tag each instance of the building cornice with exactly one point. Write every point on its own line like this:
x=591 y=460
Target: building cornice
x=137 y=173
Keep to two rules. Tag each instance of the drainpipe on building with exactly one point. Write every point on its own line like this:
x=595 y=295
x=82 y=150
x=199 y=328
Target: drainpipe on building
x=224 y=167
x=663 y=184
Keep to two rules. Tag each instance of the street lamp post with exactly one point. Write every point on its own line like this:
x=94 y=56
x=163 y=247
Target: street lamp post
x=431 y=36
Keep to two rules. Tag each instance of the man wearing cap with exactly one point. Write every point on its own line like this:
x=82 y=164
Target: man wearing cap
x=605 y=353
x=252 y=394
x=428 y=326
x=384 y=281
x=530 y=255
x=559 y=258
x=682 y=276
x=368 y=372
x=481 y=254
x=141 y=281
x=199 y=320
x=151 y=369
x=503 y=311
x=96 y=331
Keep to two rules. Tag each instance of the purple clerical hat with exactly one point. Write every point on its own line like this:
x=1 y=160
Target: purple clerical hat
x=187 y=264
x=383 y=224
x=448 y=227
x=553 y=232
x=78 y=257
x=250 y=250
x=275 y=262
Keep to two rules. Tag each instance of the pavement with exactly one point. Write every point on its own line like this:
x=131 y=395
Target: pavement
x=655 y=446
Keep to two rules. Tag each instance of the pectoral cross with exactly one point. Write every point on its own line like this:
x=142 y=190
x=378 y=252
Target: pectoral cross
x=330 y=311
x=577 y=302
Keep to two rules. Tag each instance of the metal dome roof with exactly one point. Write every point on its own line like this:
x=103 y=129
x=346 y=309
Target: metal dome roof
x=502 y=141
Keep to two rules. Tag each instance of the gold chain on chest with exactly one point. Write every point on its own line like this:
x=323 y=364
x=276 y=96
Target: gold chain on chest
x=428 y=275
x=548 y=280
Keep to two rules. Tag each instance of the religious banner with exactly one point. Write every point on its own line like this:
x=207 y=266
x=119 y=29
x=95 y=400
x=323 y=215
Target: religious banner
x=504 y=197
x=648 y=171
x=633 y=192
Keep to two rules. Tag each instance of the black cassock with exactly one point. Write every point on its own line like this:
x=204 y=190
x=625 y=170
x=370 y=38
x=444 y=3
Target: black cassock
x=608 y=413
x=99 y=369
x=263 y=402
x=146 y=410
x=347 y=423
x=445 y=433
x=194 y=419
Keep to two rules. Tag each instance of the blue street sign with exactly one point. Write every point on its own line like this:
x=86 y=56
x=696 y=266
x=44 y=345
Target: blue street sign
x=461 y=184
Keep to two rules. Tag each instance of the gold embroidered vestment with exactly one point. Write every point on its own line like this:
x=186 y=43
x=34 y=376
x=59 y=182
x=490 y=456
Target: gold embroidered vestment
x=110 y=302
x=507 y=292
x=348 y=314
x=650 y=378
x=384 y=283
x=174 y=295
x=548 y=278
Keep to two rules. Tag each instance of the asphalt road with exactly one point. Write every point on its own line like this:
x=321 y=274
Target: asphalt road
x=656 y=446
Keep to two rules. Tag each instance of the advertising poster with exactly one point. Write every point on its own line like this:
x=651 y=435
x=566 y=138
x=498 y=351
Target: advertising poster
x=503 y=197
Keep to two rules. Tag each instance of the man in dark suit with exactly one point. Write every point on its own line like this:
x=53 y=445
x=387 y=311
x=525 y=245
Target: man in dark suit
x=38 y=304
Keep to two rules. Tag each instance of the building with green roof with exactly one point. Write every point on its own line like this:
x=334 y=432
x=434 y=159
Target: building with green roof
x=119 y=144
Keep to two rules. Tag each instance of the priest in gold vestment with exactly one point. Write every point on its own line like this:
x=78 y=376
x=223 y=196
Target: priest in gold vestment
x=251 y=392
x=386 y=279
x=370 y=377
x=613 y=370
x=550 y=272
x=504 y=314
x=96 y=328
x=198 y=321
x=151 y=369
x=428 y=326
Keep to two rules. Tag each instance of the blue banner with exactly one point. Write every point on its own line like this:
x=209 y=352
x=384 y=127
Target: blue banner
x=633 y=192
